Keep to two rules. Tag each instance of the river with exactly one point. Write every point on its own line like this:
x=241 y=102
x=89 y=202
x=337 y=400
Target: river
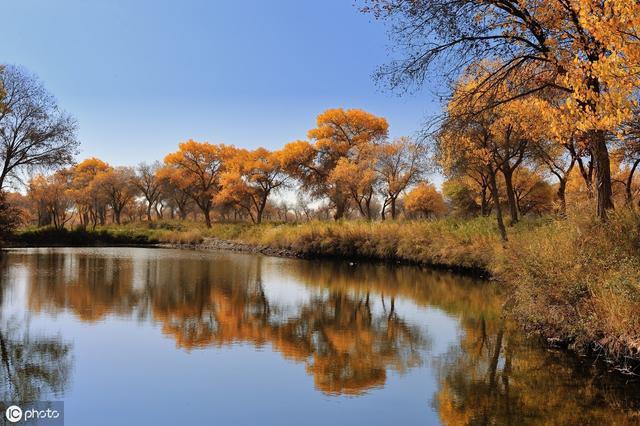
x=158 y=336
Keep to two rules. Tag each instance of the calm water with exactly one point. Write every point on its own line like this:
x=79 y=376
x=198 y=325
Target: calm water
x=154 y=336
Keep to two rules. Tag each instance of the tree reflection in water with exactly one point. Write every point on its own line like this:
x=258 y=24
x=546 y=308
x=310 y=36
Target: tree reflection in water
x=496 y=376
x=349 y=329
x=33 y=366
x=346 y=345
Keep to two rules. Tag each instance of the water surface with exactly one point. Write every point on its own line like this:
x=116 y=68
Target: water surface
x=156 y=336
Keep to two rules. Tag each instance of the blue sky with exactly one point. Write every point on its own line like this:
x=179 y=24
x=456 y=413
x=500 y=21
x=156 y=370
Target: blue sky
x=143 y=75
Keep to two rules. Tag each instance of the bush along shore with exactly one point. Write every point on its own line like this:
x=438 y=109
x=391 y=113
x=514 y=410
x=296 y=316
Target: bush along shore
x=575 y=281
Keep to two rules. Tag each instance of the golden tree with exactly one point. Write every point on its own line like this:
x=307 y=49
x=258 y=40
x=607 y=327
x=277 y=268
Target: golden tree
x=174 y=189
x=588 y=50
x=533 y=193
x=148 y=182
x=426 y=200
x=339 y=134
x=117 y=186
x=464 y=198
x=51 y=196
x=90 y=201
x=250 y=179
x=629 y=152
x=358 y=179
x=466 y=142
x=199 y=166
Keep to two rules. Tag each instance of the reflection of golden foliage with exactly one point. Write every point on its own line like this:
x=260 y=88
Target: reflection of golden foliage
x=492 y=376
x=89 y=286
x=345 y=346
x=341 y=359
x=457 y=295
x=496 y=377
x=343 y=375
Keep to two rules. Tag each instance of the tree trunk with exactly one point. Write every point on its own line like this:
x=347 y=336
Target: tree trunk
x=159 y=211
x=586 y=174
x=562 y=186
x=604 y=200
x=362 y=208
x=383 y=212
x=341 y=207
x=628 y=191
x=496 y=203
x=259 y=215
x=4 y=174
x=484 y=203
x=207 y=216
x=393 y=208
x=511 y=195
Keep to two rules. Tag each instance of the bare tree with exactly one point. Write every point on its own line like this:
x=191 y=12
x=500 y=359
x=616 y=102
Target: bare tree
x=401 y=163
x=149 y=184
x=34 y=131
x=117 y=186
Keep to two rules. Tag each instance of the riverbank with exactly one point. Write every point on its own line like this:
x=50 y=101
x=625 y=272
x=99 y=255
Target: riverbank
x=574 y=281
x=234 y=246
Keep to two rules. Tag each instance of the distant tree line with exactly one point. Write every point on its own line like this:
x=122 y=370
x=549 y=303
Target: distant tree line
x=347 y=168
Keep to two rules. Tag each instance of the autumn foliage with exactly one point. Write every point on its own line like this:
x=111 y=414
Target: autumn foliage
x=504 y=162
x=347 y=168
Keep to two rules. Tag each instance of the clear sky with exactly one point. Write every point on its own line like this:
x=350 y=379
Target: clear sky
x=143 y=75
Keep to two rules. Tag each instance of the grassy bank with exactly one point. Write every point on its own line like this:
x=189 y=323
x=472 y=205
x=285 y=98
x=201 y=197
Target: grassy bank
x=130 y=234
x=79 y=237
x=574 y=281
x=579 y=281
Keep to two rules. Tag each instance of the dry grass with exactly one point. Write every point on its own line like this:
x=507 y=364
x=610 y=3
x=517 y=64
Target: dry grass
x=179 y=237
x=578 y=280
x=449 y=242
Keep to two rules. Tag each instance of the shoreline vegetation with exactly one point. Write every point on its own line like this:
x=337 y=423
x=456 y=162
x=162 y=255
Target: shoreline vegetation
x=572 y=281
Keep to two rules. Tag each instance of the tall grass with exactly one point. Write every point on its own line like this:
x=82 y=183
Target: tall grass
x=452 y=243
x=578 y=280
